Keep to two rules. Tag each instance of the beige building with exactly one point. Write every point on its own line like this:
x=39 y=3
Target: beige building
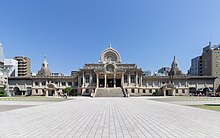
x=23 y=66
x=111 y=78
x=211 y=63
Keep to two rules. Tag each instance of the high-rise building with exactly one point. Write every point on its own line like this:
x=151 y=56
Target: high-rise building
x=195 y=66
x=10 y=68
x=164 y=71
x=208 y=64
x=1 y=53
x=147 y=73
x=23 y=66
x=211 y=61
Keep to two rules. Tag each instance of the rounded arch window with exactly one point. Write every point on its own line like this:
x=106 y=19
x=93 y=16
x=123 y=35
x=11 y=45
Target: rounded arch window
x=110 y=57
x=110 y=68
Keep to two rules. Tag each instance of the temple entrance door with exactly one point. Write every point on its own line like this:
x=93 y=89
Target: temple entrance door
x=118 y=82
x=51 y=92
x=101 y=83
x=110 y=83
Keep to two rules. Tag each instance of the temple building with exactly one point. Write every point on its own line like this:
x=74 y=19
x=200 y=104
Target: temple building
x=111 y=78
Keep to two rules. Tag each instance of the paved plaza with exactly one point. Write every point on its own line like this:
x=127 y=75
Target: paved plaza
x=109 y=117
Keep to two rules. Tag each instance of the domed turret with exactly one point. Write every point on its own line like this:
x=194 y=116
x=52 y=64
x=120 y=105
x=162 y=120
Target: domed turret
x=175 y=71
x=174 y=63
x=44 y=71
x=110 y=55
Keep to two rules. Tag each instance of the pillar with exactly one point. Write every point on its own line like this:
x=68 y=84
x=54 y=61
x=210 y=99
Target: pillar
x=90 y=81
x=136 y=81
x=97 y=80
x=122 y=79
x=105 y=81
x=129 y=78
x=83 y=79
x=141 y=81
x=114 y=80
x=164 y=92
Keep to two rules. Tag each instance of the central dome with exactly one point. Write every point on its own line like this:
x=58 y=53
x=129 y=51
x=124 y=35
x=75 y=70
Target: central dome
x=110 y=55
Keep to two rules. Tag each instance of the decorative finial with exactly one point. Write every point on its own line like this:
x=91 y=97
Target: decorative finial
x=110 y=44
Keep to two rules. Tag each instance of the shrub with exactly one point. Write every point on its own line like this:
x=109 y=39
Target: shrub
x=2 y=93
x=68 y=90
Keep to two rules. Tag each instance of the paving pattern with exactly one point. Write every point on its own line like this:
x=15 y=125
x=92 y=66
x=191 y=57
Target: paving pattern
x=110 y=117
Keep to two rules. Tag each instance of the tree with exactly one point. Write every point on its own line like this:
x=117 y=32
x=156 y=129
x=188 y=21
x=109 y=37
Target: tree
x=2 y=93
x=68 y=90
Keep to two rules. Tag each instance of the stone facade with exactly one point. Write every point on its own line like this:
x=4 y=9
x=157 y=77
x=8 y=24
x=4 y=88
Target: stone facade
x=110 y=73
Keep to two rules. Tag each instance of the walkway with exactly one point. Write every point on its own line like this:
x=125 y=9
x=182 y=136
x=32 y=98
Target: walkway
x=110 y=117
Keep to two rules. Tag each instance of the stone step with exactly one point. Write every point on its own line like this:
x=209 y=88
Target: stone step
x=109 y=92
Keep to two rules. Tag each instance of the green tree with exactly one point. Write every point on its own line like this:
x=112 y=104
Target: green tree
x=2 y=93
x=68 y=90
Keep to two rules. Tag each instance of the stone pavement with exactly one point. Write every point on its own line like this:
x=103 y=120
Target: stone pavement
x=110 y=117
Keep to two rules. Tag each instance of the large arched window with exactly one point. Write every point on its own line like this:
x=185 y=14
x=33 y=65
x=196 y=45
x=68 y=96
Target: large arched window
x=110 y=55
x=110 y=68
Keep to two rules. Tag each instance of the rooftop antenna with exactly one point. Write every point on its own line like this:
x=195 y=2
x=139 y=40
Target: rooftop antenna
x=210 y=39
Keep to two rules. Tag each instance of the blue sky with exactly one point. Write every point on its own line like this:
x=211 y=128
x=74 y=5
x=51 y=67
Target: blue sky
x=71 y=33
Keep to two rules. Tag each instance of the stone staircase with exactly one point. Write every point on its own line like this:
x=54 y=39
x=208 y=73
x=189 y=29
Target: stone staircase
x=109 y=92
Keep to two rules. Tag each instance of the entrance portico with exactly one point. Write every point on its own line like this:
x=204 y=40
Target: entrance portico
x=109 y=80
x=109 y=73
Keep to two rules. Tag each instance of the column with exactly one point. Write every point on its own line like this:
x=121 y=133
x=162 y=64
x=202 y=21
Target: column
x=114 y=80
x=122 y=79
x=90 y=81
x=105 y=81
x=164 y=92
x=83 y=79
x=97 y=80
x=136 y=79
x=129 y=78
x=141 y=81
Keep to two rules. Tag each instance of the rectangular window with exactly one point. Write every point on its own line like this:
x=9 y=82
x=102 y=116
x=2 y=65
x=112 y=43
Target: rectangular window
x=87 y=90
x=43 y=83
x=36 y=90
x=132 y=90
x=63 y=83
x=87 y=78
x=177 y=91
x=94 y=79
x=183 y=83
x=144 y=91
x=150 y=83
x=156 y=83
x=183 y=90
x=70 y=83
x=176 y=83
x=36 y=83
x=133 y=79
x=150 y=91
x=125 y=78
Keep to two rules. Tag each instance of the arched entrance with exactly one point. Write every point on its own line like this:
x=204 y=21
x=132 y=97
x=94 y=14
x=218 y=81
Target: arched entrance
x=17 y=91
x=51 y=89
x=167 y=90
